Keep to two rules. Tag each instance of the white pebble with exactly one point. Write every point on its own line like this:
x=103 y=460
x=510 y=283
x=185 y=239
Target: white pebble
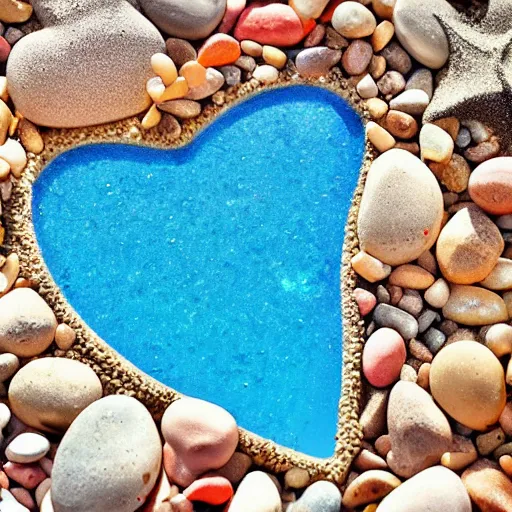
x=10 y=504
x=5 y=416
x=412 y=101
x=27 y=447
x=367 y=88
x=14 y=154
x=266 y=74
x=435 y=144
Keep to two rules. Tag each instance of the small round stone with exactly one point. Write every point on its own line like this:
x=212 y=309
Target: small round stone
x=296 y=478
x=266 y=74
x=315 y=62
x=164 y=67
x=180 y=51
x=214 y=81
x=366 y=87
x=379 y=137
x=401 y=321
x=438 y=294
x=194 y=73
x=236 y=467
x=320 y=496
x=377 y=108
x=500 y=277
x=65 y=336
x=401 y=125
x=274 y=56
x=370 y=268
x=357 y=56
x=257 y=492
x=9 y=364
x=397 y=58
x=371 y=486
x=218 y=50
x=391 y=83
x=382 y=35
x=468 y=382
x=252 y=48
x=411 y=101
x=27 y=447
x=411 y=277
x=435 y=143
x=353 y=20
x=498 y=338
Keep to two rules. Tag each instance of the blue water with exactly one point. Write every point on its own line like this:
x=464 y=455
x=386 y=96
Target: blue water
x=215 y=268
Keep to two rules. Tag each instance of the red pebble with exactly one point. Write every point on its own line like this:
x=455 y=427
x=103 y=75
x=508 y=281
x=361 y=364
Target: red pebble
x=233 y=9
x=270 y=23
x=308 y=26
x=214 y=490
x=5 y=49
x=329 y=10
x=365 y=300
x=27 y=475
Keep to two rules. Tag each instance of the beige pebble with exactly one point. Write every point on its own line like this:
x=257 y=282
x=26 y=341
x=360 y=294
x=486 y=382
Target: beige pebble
x=65 y=336
x=377 y=108
x=5 y=121
x=266 y=74
x=41 y=490
x=194 y=73
x=379 y=137
x=9 y=273
x=274 y=56
x=370 y=268
x=252 y=48
x=164 y=67
x=5 y=169
x=412 y=277
x=296 y=478
x=506 y=464
x=368 y=487
x=382 y=35
x=377 y=67
x=367 y=88
x=424 y=376
x=384 y=8
x=366 y=460
x=178 y=89
x=438 y=294
x=353 y=20
x=435 y=143
x=488 y=442
x=500 y=277
x=155 y=87
x=383 y=445
x=30 y=137
x=462 y=454
x=152 y=118
x=454 y=174
x=14 y=153
x=4 y=93
x=46 y=503
x=498 y=339
x=9 y=365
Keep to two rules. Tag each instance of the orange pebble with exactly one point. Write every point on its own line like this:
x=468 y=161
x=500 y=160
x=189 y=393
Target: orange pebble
x=329 y=10
x=194 y=73
x=219 y=50
x=506 y=464
x=214 y=490
x=4 y=480
x=308 y=26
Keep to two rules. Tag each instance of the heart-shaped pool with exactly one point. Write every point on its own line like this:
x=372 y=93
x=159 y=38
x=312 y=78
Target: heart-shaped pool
x=215 y=268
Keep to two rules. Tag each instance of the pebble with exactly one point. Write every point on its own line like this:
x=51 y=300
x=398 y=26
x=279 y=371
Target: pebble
x=27 y=475
x=199 y=437
x=266 y=74
x=194 y=73
x=408 y=374
x=391 y=83
x=426 y=319
x=236 y=467
x=274 y=56
x=420 y=351
x=13 y=11
x=490 y=441
x=479 y=132
x=468 y=382
x=377 y=67
x=373 y=416
x=451 y=125
x=462 y=453
x=14 y=154
x=418 y=430
x=233 y=10
x=218 y=50
x=411 y=101
x=49 y=393
x=421 y=79
x=357 y=57
x=500 y=277
x=321 y=496
x=164 y=67
x=119 y=463
x=438 y=294
x=424 y=377
x=9 y=364
x=30 y=137
x=9 y=503
x=9 y=273
x=5 y=49
x=383 y=356
x=401 y=321
x=309 y=9
x=498 y=339
x=23 y=497
x=384 y=8
x=454 y=175
x=411 y=302
x=41 y=490
x=435 y=143
x=434 y=339
x=412 y=277
x=428 y=491
x=273 y=24
x=315 y=62
x=180 y=51
x=366 y=301
x=379 y=137
x=232 y=74
x=367 y=88
x=5 y=121
x=505 y=462
x=182 y=109
x=27 y=447
x=397 y=58
x=155 y=87
x=161 y=495
x=214 y=490
x=463 y=139
x=417 y=203
x=256 y=493
x=296 y=478
x=246 y=63
x=400 y=124
x=252 y=48
x=490 y=186
x=370 y=268
x=483 y=151
x=65 y=336
x=46 y=503
x=488 y=487
x=377 y=108
x=178 y=89
x=180 y=503
x=371 y=486
x=214 y=81
x=469 y=247
x=382 y=35
x=353 y=20
x=152 y=118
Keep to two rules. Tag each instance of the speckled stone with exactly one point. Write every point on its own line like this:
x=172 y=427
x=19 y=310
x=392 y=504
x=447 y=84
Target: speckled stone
x=468 y=382
x=417 y=206
x=115 y=447
x=180 y=51
x=193 y=19
x=113 y=43
x=369 y=487
x=318 y=497
x=314 y=62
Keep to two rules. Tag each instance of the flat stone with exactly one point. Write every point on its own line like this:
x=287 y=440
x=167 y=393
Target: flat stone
x=183 y=109
x=417 y=206
x=49 y=393
x=113 y=37
x=118 y=464
x=468 y=382
x=315 y=62
x=411 y=101
x=394 y=318
x=27 y=447
x=232 y=74
x=423 y=80
x=412 y=277
x=438 y=294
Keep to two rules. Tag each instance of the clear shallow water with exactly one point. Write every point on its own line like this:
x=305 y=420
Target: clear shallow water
x=215 y=268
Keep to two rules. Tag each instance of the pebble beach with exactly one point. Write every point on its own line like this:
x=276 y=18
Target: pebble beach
x=426 y=266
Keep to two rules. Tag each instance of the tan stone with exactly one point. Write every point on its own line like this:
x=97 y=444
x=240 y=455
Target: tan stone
x=164 y=67
x=498 y=339
x=14 y=154
x=30 y=136
x=178 y=89
x=488 y=442
x=454 y=175
x=450 y=125
x=461 y=455
x=468 y=247
x=5 y=120
x=296 y=478
x=353 y=20
x=65 y=336
x=371 y=486
x=435 y=143
x=382 y=35
x=252 y=48
x=377 y=66
x=500 y=277
x=401 y=125
x=274 y=56
x=412 y=277
x=468 y=382
x=194 y=73
x=377 y=108
x=438 y=294
x=379 y=137
x=384 y=8
x=9 y=273
x=370 y=268
x=152 y=118
x=12 y=11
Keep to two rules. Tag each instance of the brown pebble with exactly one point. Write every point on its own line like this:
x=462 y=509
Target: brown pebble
x=382 y=35
x=397 y=58
x=488 y=442
x=450 y=125
x=377 y=67
x=383 y=445
x=401 y=125
x=65 y=336
x=366 y=461
x=315 y=36
x=483 y=151
x=424 y=376
x=412 y=147
x=357 y=57
x=180 y=51
x=454 y=175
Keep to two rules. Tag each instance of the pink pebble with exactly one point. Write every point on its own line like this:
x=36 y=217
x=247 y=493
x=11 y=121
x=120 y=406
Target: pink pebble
x=27 y=475
x=24 y=497
x=47 y=465
x=365 y=300
x=233 y=9
x=5 y=49
x=270 y=23
x=384 y=355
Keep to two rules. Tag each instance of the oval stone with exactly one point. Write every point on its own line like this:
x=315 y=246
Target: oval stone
x=416 y=203
x=469 y=246
x=321 y=496
x=49 y=393
x=27 y=324
x=27 y=447
x=471 y=305
x=256 y=493
x=468 y=382
x=490 y=186
x=500 y=277
x=109 y=458
x=436 y=488
x=314 y=62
